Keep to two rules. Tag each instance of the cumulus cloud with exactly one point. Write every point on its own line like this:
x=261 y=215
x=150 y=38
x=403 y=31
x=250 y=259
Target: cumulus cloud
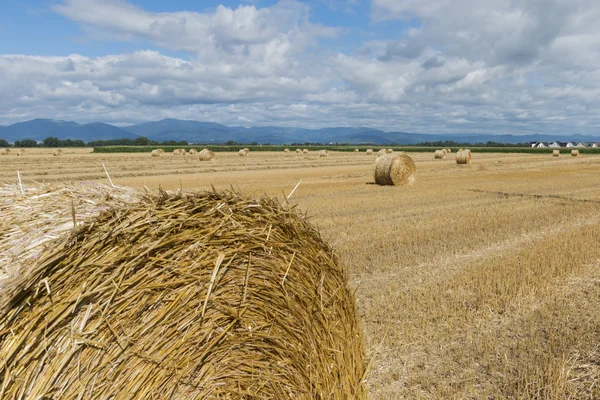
x=458 y=66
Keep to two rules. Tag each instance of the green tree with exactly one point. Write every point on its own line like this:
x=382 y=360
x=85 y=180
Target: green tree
x=51 y=142
x=4 y=143
x=28 y=143
x=17 y=143
x=141 y=141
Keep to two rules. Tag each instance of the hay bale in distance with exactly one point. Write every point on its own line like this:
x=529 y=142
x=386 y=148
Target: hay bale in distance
x=298 y=151
x=575 y=153
x=396 y=169
x=463 y=157
x=389 y=151
x=156 y=153
x=448 y=150
x=20 y=152
x=305 y=151
x=555 y=153
x=242 y=153
x=193 y=151
x=206 y=155
x=323 y=153
x=382 y=151
x=177 y=152
x=439 y=155
x=57 y=153
x=5 y=152
x=246 y=150
x=369 y=151
x=356 y=150
x=286 y=150
x=186 y=297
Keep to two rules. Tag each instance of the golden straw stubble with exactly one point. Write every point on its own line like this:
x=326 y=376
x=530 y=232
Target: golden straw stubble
x=396 y=169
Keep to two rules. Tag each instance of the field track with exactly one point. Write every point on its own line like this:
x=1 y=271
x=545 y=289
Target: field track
x=478 y=281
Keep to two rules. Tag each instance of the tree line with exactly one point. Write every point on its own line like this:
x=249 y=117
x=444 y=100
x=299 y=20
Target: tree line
x=56 y=142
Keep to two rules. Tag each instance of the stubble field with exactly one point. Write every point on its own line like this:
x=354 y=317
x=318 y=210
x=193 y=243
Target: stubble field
x=478 y=281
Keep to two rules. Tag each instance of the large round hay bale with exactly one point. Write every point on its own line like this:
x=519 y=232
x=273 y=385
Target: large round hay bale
x=286 y=150
x=445 y=151
x=356 y=150
x=439 y=154
x=323 y=153
x=382 y=151
x=156 y=153
x=298 y=151
x=177 y=152
x=448 y=150
x=575 y=153
x=395 y=169
x=193 y=151
x=389 y=151
x=57 y=153
x=242 y=153
x=5 y=152
x=305 y=151
x=20 y=152
x=246 y=150
x=369 y=151
x=463 y=157
x=185 y=297
x=555 y=153
x=206 y=155
x=161 y=151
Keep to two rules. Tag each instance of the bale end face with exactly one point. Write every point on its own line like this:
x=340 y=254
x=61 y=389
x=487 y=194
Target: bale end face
x=575 y=153
x=555 y=153
x=463 y=157
x=439 y=155
x=396 y=169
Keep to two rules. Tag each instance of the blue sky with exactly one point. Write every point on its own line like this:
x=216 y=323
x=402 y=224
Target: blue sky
x=432 y=67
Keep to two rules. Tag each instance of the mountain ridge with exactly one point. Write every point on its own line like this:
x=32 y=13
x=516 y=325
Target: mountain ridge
x=211 y=132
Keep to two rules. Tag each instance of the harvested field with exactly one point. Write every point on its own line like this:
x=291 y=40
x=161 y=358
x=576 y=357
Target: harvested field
x=478 y=281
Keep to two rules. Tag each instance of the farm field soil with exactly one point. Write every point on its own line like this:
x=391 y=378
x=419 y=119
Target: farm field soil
x=478 y=281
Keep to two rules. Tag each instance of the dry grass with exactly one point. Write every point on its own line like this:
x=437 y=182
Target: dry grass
x=473 y=283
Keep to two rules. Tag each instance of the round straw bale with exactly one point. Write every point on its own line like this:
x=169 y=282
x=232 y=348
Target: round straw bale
x=156 y=153
x=242 y=153
x=323 y=153
x=382 y=151
x=177 y=152
x=161 y=151
x=395 y=169
x=5 y=152
x=356 y=150
x=57 y=153
x=575 y=153
x=185 y=297
x=444 y=151
x=463 y=157
x=286 y=150
x=206 y=155
x=369 y=151
x=449 y=150
x=555 y=153
x=305 y=151
x=389 y=151
x=298 y=151
x=20 y=152
x=193 y=151
x=439 y=155
x=246 y=150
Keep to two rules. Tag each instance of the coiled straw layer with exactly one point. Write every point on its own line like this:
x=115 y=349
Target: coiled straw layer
x=395 y=169
x=211 y=295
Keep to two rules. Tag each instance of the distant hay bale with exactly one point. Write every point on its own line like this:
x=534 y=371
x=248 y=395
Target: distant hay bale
x=305 y=151
x=298 y=151
x=369 y=151
x=382 y=151
x=396 y=169
x=286 y=150
x=555 y=153
x=356 y=150
x=156 y=153
x=161 y=151
x=206 y=155
x=449 y=150
x=324 y=153
x=575 y=153
x=389 y=151
x=463 y=157
x=459 y=150
x=444 y=151
x=242 y=153
x=20 y=152
x=57 y=153
x=5 y=152
x=439 y=154
x=178 y=152
x=184 y=297
x=193 y=151
x=246 y=150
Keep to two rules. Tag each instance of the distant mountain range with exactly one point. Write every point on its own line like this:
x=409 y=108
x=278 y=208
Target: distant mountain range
x=209 y=132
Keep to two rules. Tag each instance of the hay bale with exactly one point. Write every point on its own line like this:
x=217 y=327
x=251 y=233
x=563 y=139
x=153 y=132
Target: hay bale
x=448 y=150
x=382 y=151
x=389 y=151
x=246 y=150
x=555 y=153
x=369 y=151
x=298 y=151
x=57 y=153
x=305 y=151
x=286 y=150
x=5 y=152
x=463 y=157
x=161 y=151
x=193 y=151
x=575 y=153
x=242 y=153
x=156 y=153
x=324 y=153
x=20 y=152
x=356 y=150
x=445 y=151
x=206 y=155
x=395 y=169
x=177 y=152
x=185 y=297
x=439 y=155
